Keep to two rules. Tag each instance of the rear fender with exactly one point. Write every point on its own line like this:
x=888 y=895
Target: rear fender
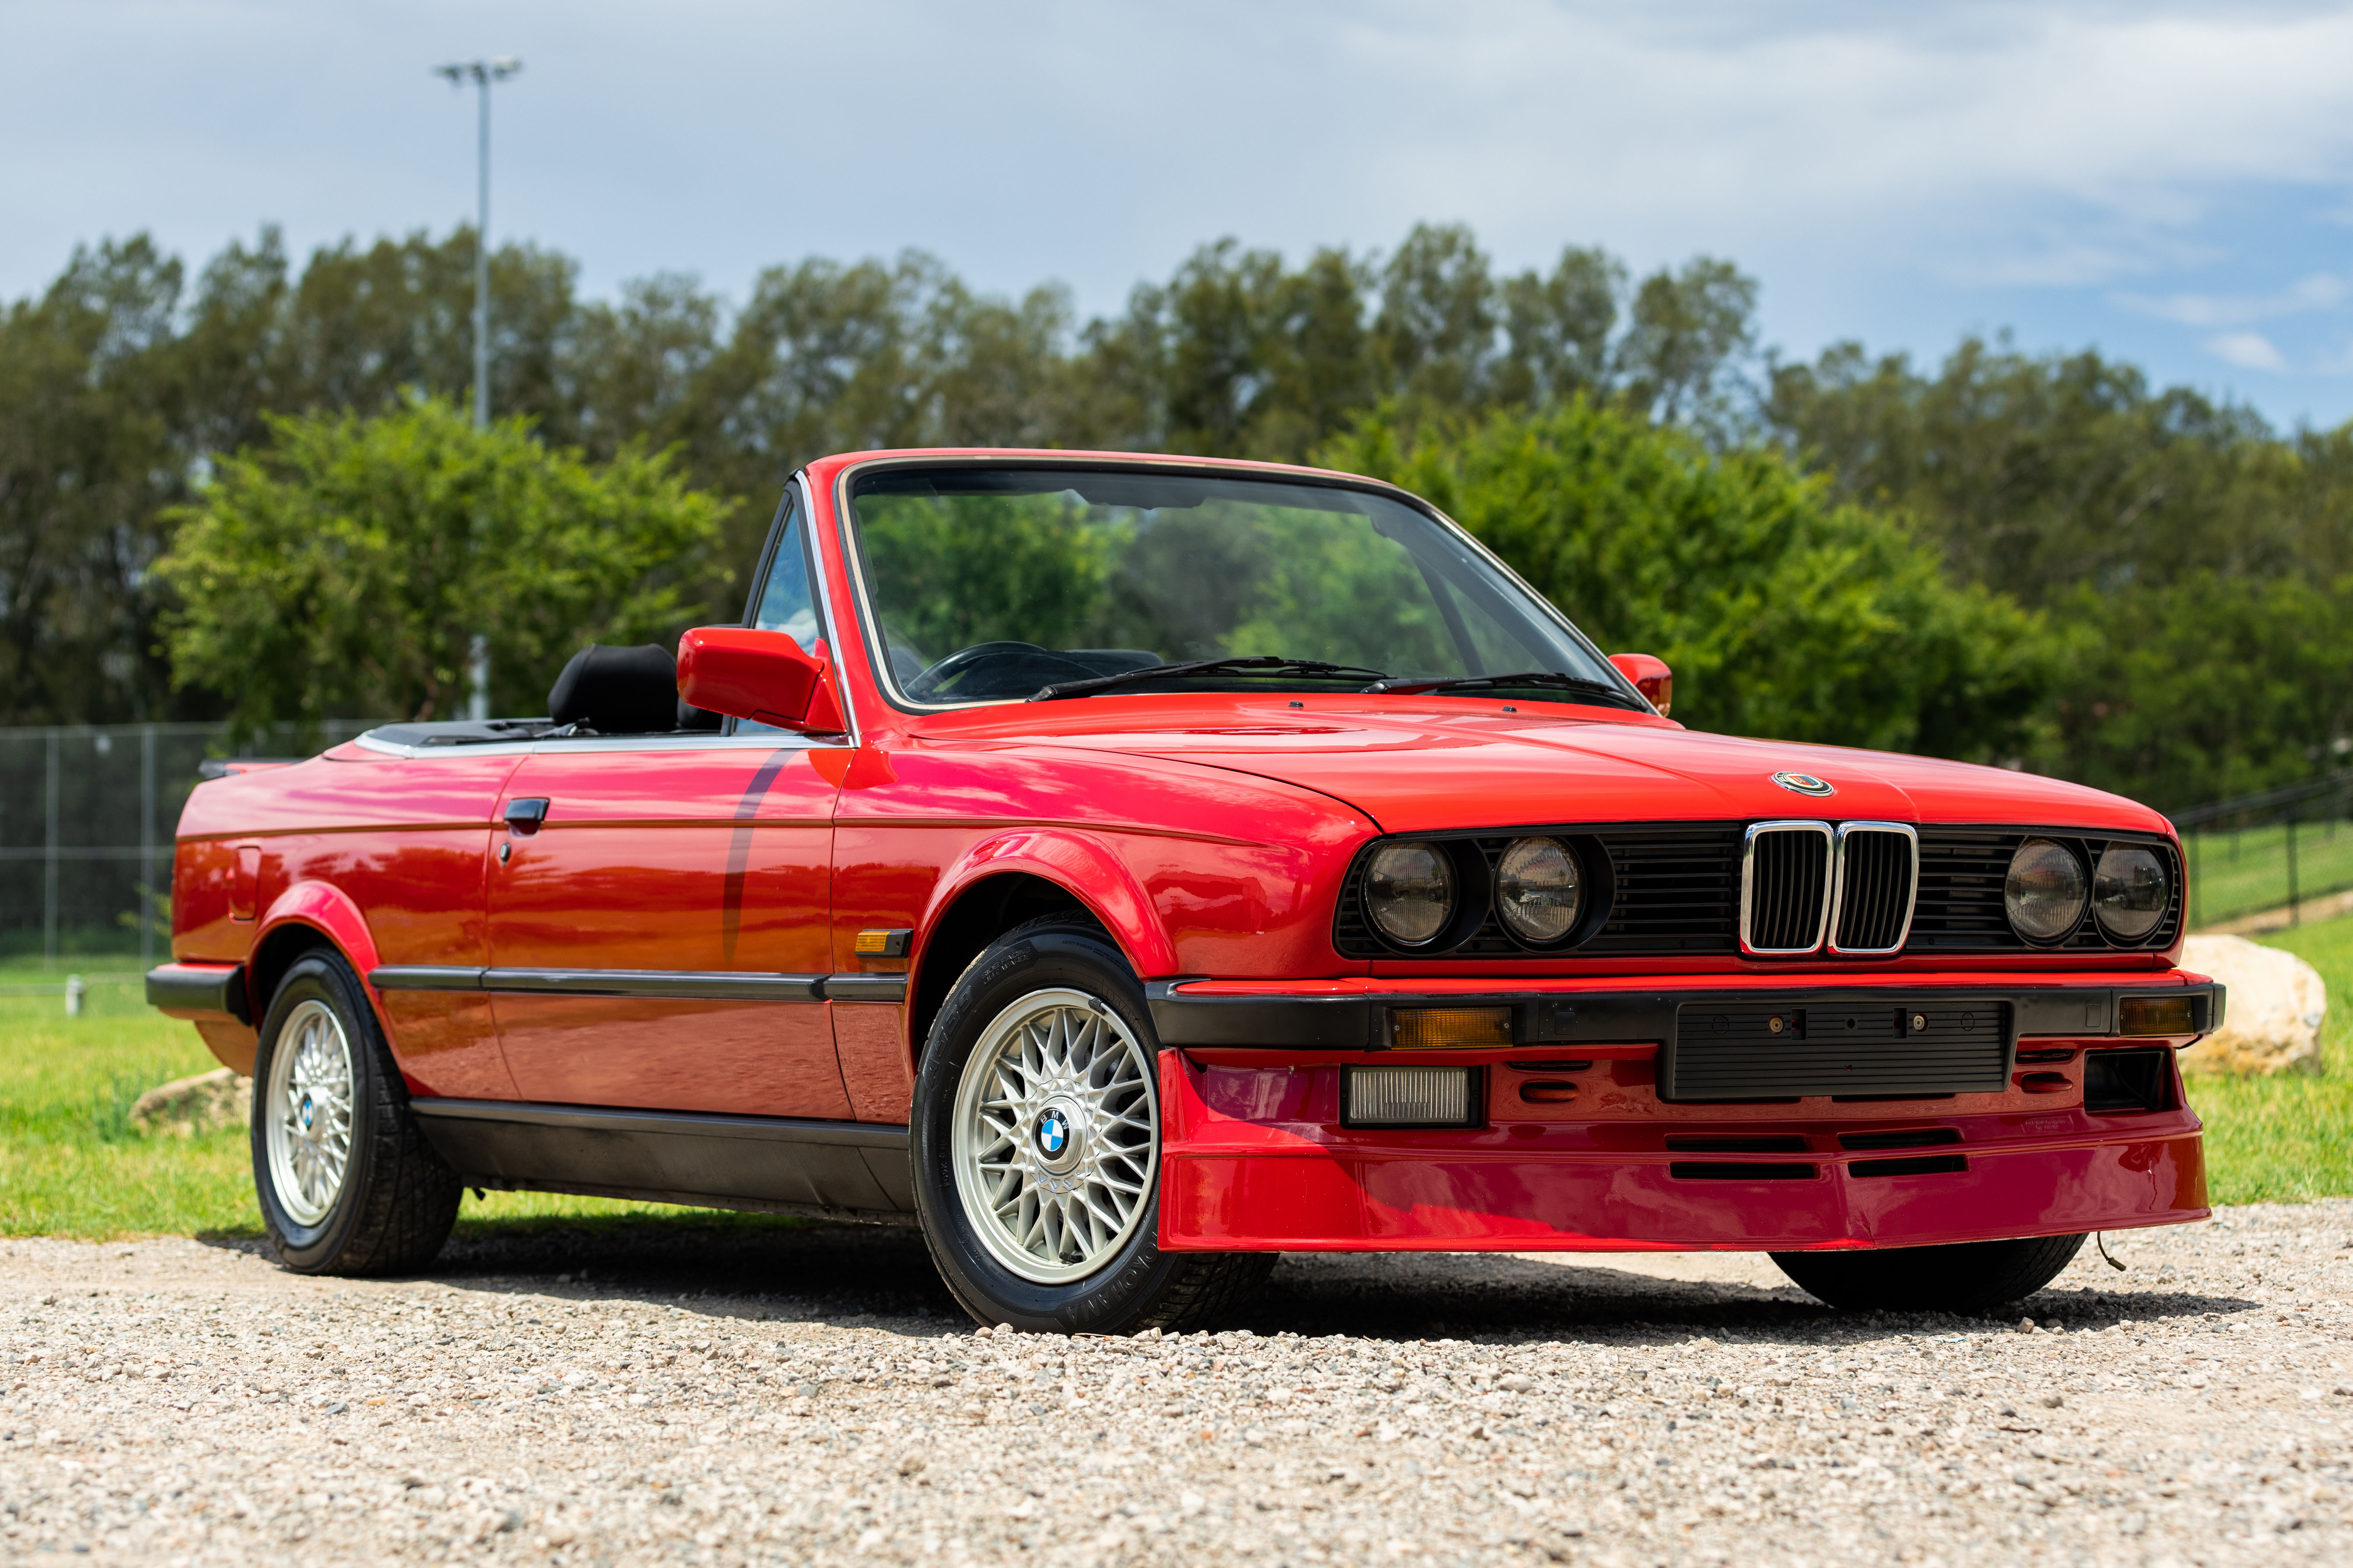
x=310 y=907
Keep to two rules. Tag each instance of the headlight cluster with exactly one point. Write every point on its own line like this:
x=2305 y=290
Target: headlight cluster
x=1414 y=890
x=2047 y=890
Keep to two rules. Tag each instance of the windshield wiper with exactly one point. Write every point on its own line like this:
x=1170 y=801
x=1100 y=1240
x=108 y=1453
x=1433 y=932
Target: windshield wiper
x=1266 y=662
x=1610 y=695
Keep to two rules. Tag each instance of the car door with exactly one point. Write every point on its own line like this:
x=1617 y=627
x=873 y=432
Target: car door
x=658 y=940
x=658 y=934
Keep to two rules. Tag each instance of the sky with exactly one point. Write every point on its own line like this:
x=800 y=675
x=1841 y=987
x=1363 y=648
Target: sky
x=2170 y=181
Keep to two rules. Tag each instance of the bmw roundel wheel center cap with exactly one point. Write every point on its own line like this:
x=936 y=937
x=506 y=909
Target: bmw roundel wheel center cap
x=1058 y=1136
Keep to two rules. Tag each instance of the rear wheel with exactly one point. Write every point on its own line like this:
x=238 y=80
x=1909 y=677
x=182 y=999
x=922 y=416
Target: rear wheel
x=347 y=1184
x=1966 y=1277
x=1037 y=1147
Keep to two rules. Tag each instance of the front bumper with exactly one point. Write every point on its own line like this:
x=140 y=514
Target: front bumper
x=1255 y=1157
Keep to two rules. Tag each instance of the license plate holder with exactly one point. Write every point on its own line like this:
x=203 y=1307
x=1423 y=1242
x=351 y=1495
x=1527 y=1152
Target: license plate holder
x=1849 y=1045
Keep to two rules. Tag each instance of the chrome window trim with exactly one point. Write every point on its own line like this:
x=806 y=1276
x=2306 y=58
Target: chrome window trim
x=1747 y=884
x=1838 y=886
x=765 y=741
x=799 y=497
x=869 y=625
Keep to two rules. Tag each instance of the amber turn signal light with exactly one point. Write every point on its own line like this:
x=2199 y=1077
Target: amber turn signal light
x=883 y=943
x=1547 y=1093
x=1450 y=1028
x=2157 y=1015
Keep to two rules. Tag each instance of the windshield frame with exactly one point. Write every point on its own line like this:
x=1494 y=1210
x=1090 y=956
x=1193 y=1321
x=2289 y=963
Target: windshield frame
x=870 y=624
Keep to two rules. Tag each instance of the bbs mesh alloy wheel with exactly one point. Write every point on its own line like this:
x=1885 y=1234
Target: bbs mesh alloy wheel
x=346 y=1181
x=1036 y=1142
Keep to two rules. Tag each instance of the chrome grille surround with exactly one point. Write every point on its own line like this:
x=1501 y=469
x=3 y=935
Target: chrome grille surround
x=1873 y=885
x=1785 y=887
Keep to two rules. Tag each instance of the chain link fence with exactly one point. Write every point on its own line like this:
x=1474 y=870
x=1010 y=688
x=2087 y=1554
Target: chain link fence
x=87 y=814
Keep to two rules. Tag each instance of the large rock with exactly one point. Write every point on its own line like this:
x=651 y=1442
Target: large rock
x=2273 y=1021
x=188 y=1106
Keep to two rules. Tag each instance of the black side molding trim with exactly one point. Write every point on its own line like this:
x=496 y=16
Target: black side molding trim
x=424 y=977
x=683 y=984
x=866 y=987
x=780 y=1164
x=199 y=988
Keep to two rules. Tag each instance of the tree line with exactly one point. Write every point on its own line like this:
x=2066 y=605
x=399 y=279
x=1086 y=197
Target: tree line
x=2042 y=561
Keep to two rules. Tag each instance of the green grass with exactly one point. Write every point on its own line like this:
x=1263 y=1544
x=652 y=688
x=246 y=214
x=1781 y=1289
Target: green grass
x=2236 y=874
x=2289 y=1138
x=70 y=1164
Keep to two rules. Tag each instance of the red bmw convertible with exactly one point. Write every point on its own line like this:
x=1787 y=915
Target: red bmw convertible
x=1128 y=869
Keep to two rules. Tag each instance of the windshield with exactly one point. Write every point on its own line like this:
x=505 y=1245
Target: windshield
x=994 y=584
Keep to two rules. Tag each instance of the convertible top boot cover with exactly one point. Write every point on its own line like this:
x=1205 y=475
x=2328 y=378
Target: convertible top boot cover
x=617 y=690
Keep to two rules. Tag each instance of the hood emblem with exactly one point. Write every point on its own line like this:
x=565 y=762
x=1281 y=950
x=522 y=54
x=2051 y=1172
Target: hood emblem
x=1803 y=784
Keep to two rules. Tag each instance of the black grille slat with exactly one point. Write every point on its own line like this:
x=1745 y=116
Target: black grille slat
x=1789 y=878
x=1875 y=894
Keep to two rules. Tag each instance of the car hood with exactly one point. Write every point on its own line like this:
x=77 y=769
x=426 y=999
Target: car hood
x=1420 y=773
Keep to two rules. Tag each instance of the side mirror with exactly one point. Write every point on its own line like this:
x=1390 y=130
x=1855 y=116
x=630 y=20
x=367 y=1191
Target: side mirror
x=1650 y=677
x=761 y=676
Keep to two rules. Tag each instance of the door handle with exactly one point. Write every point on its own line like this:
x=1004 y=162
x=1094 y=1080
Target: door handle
x=524 y=816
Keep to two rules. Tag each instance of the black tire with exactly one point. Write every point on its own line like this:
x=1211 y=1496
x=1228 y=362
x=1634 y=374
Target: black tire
x=396 y=1200
x=1965 y=1276
x=1136 y=1286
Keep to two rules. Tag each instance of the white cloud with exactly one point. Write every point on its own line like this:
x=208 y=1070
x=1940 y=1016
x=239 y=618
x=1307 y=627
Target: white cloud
x=2320 y=291
x=2248 y=350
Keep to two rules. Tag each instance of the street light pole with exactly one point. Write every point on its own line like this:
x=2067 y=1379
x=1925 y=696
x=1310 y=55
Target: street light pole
x=484 y=75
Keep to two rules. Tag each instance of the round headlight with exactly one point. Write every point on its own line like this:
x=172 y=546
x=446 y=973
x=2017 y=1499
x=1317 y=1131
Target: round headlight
x=2130 y=892
x=2044 y=892
x=1540 y=889
x=1409 y=891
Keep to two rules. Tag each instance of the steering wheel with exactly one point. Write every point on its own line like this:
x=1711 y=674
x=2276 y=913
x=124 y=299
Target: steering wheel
x=1030 y=666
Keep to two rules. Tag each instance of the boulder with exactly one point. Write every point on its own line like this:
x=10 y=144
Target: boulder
x=2277 y=1003
x=187 y=1106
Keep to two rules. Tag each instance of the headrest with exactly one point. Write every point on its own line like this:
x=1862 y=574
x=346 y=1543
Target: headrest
x=617 y=690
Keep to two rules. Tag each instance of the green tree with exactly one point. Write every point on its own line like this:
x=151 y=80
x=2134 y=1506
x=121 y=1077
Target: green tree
x=343 y=569
x=1782 y=612
x=92 y=416
x=2204 y=688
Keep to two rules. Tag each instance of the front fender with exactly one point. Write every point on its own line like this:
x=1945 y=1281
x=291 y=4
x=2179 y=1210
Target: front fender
x=1082 y=864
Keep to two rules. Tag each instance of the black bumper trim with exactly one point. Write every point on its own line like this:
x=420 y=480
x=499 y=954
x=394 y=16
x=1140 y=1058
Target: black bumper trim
x=1360 y=1022
x=199 y=988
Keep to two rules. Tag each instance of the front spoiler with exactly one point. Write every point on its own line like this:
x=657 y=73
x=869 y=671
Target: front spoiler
x=1250 y=1164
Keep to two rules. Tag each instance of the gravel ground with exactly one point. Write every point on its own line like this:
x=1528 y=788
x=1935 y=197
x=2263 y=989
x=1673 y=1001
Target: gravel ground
x=704 y=1394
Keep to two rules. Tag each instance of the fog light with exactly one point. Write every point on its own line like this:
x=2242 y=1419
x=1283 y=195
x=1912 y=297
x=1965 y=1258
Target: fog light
x=1406 y=1096
x=1450 y=1028
x=2157 y=1015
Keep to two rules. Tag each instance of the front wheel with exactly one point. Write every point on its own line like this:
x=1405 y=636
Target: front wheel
x=1037 y=1147
x=1965 y=1277
x=347 y=1184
